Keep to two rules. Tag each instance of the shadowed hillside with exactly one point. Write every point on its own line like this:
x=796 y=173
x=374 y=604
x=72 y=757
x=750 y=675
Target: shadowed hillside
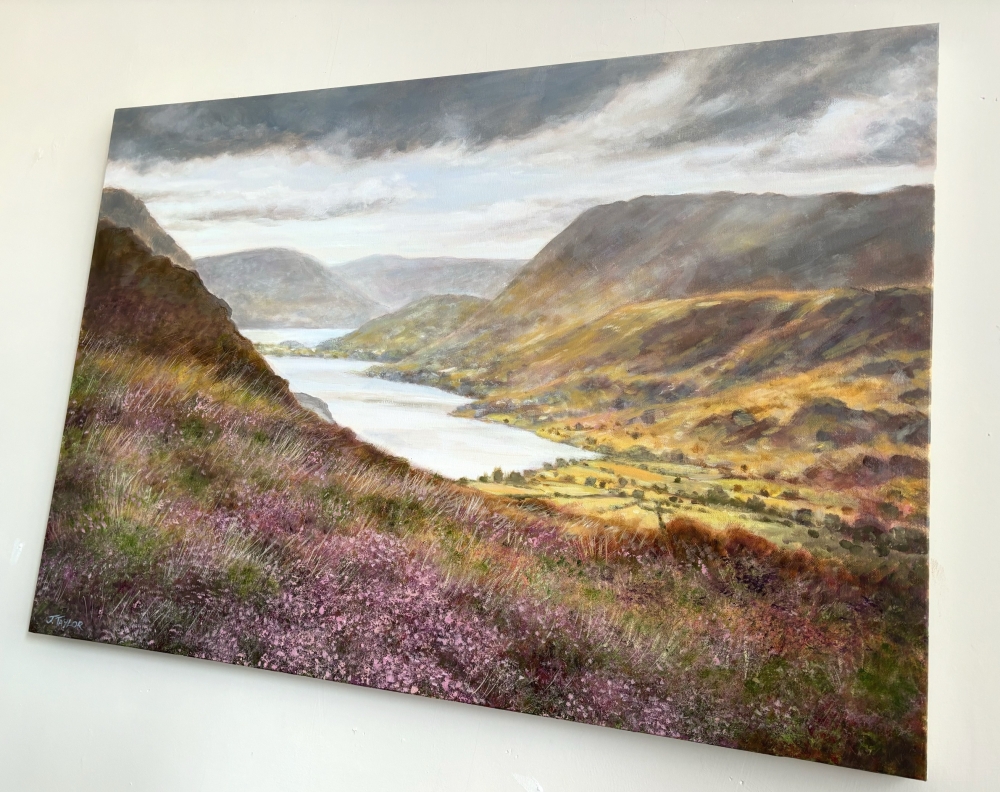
x=122 y=209
x=276 y=287
x=145 y=302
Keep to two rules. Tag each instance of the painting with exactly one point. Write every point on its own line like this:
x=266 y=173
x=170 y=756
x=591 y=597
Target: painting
x=596 y=391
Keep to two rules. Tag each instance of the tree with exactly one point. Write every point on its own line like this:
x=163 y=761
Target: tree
x=497 y=475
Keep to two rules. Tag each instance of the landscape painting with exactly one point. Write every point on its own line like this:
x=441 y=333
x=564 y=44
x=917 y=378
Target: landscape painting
x=596 y=391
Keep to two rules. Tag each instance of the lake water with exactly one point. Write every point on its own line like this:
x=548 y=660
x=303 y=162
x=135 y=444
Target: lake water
x=309 y=336
x=414 y=421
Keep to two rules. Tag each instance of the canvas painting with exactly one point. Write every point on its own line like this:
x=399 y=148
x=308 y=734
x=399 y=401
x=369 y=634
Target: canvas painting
x=596 y=391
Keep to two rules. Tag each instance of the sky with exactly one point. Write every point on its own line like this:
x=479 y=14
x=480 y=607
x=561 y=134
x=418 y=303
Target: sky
x=494 y=165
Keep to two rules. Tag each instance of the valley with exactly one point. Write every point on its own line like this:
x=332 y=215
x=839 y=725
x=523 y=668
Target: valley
x=686 y=512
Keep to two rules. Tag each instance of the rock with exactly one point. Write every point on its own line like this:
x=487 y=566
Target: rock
x=314 y=405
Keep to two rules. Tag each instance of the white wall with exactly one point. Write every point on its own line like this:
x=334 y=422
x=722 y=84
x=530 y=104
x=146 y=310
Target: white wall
x=82 y=716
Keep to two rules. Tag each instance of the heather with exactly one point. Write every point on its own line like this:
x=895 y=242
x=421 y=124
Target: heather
x=196 y=513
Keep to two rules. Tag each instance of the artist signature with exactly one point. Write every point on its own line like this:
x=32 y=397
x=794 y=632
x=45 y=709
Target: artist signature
x=64 y=623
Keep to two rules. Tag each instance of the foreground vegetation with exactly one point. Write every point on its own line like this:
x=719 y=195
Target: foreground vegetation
x=198 y=514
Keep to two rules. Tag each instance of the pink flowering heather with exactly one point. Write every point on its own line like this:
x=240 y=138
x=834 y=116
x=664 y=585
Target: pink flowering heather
x=195 y=515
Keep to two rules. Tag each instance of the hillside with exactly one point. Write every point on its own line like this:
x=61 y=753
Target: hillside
x=807 y=375
x=675 y=246
x=395 y=281
x=397 y=335
x=122 y=209
x=145 y=302
x=278 y=287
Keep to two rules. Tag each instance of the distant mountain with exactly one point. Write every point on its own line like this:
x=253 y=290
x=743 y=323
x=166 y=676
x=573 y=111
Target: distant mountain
x=396 y=281
x=279 y=287
x=395 y=336
x=674 y=246
x=122 y=209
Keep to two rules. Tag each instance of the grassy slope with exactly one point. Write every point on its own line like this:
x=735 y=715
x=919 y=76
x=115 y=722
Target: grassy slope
x=196 y=516
x=786 y=383
x=198 y=510
x=408 y=330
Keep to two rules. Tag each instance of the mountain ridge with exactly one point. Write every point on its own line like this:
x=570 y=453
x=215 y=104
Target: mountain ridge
x=396 y=281
x=671 y=247
x=284 y=287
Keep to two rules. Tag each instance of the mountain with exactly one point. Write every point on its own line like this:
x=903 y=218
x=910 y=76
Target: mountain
x=279 y=287
x=142 y=301
x=782 y=333
x=396 y=281
x=675 y=246
x=121 y=208
x=783 y=382
x=397 y=335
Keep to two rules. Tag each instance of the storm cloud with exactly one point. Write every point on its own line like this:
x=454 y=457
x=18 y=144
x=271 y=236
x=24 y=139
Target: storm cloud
x=736 y=93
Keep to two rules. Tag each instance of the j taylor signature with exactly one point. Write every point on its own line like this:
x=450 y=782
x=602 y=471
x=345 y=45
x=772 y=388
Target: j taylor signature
x=64 y=623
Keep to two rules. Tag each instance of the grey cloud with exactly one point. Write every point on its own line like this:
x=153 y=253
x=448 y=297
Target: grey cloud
x=371 y=120
x=773 y=87
x=767 y=88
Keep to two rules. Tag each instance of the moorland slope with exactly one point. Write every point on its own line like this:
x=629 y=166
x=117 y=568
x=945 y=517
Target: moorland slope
x=198 y=510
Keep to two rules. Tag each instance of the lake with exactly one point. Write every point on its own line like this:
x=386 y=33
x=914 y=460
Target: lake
x=415 y=421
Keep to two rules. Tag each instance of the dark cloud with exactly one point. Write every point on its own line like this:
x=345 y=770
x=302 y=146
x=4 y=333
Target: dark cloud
x=742 y=91
x=375 y=119
x=772 y=87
